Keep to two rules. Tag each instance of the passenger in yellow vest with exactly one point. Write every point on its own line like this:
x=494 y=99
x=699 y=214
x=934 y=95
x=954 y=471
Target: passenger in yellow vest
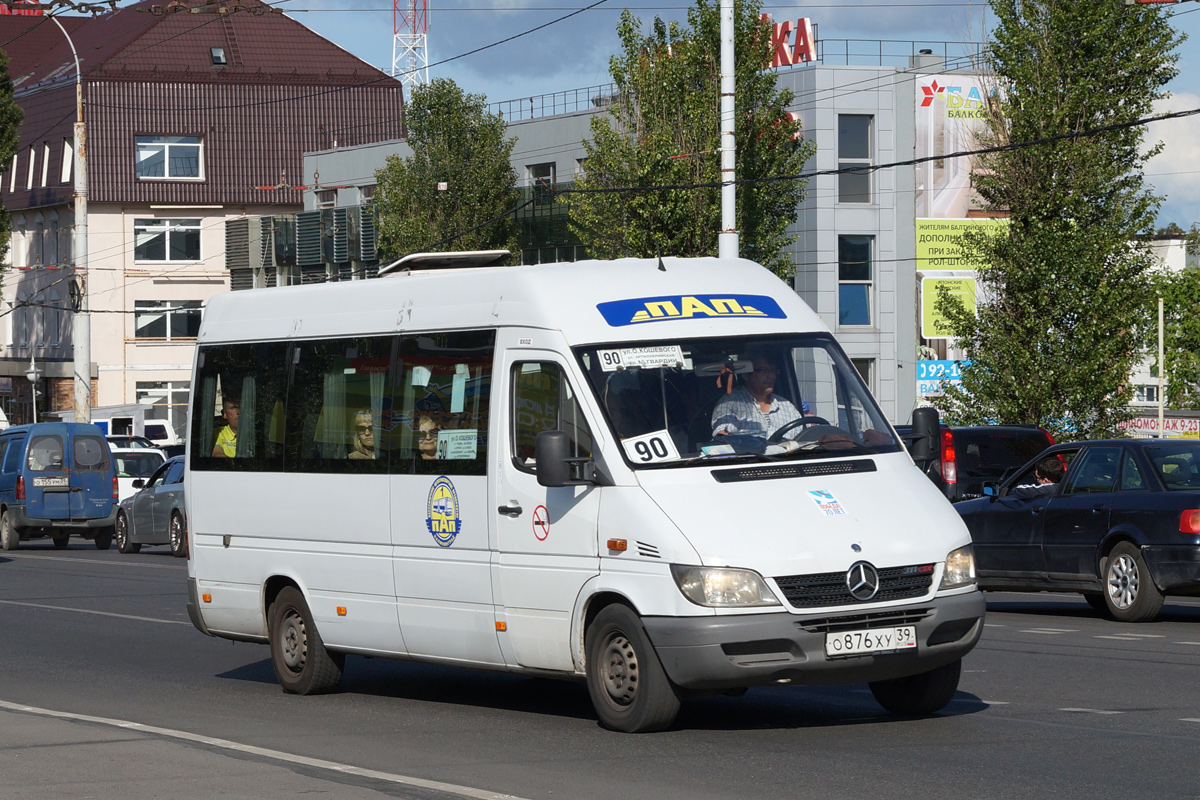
x=226 y=446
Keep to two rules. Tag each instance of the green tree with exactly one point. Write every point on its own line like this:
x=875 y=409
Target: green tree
x=11 y=117
x=1180 y=292
x=1058 y=328
x=454 y=140
x=664 y=130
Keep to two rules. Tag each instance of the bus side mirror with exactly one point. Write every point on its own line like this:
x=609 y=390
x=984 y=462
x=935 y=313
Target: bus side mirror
x=556 y=466
x=552 y=450
x=926 y=430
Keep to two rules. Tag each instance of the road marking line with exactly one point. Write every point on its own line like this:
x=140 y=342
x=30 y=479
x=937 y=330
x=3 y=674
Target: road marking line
x=120 y=562
x=98 y=613
x=995 y=702
x=1185 y=642
x=1090 y=711
x=1046 y=631
x=1145 y=635
x=277 y=755
x=1189 y=719
x=993 y=625
x=1120 y=637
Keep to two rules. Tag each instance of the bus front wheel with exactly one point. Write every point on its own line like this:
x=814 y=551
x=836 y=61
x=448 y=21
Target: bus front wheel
x=629 y=688
x=302 y=664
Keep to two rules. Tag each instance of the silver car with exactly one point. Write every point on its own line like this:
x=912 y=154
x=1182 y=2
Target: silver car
x=154 y=514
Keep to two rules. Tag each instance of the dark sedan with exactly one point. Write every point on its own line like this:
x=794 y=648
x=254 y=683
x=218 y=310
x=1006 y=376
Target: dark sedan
x=1122 y=526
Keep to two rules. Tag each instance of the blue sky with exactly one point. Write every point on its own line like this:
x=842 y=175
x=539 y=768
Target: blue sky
x=574 y=53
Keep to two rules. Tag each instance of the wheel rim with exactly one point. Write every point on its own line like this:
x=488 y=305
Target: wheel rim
x=1123 y=581
x=619 y=670
x=176 y=534
x=292 y=640
x=122 y=535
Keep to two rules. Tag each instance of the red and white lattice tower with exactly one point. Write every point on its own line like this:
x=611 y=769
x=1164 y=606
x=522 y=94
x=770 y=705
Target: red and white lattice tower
x=410 y=55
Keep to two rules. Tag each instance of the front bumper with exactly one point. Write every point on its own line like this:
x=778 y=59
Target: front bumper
x=21 y=519
x=1175 y=568
x=729 y=652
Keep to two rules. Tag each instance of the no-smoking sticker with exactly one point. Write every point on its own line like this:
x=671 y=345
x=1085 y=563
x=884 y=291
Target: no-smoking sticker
x=541 y=523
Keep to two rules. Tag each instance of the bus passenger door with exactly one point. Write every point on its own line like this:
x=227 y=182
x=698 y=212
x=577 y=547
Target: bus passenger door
x=546 y=538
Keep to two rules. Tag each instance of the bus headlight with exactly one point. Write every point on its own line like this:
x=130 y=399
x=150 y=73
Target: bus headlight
x=718 y=587
x=960 y=569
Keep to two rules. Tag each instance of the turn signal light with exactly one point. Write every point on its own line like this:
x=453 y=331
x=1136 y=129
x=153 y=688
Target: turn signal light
x=341 y=611
x=206 y=598
x=1189 y=521
x=501 y=626
x=116 y=489
x=620 y=545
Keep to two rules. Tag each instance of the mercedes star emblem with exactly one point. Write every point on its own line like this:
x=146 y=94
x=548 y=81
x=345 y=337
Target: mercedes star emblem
x=862 y=580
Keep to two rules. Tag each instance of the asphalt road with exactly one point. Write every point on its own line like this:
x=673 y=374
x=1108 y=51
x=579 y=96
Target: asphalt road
x=107 y=691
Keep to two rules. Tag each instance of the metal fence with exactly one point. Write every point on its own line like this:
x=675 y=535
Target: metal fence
x=547 y=105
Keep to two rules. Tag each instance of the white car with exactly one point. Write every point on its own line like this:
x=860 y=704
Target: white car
x=132 y=463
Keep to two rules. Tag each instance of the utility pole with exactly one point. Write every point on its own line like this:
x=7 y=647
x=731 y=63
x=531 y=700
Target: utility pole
x=727 y=239
x=81 y=327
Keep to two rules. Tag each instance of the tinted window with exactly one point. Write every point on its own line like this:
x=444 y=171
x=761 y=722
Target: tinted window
x=1177 y=465
x=983 y=454
x=1131 y=475
x=1094 y=471
x=46 y=453
x=137 y=465
x=174 y=473
x=239 y=401
x=90 y=453
x=12 y=456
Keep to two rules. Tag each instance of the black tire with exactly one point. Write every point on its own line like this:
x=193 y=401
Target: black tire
x=1096 y=601
x=629 y=688
x=1129 y=590
x=104 y=537
x=122 y=533
x=61 y=542
x=302 y=664
x=919 y=694
x=10 y=538
x=178 y=536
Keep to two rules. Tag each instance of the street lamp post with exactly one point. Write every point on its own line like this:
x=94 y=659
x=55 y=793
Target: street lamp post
x=33 y=373
x=81 y=327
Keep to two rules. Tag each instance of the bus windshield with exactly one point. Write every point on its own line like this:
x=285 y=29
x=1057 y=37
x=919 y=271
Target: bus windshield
x=695 y=401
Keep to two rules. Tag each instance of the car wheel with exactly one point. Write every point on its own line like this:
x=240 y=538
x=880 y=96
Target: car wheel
x=178 y=536
x=919 y=694
x=9 y=538
x=629 y=688
x=1129 y=591
x=123 y=543
x=104 y=537
x=302 y=664
x=61 y=542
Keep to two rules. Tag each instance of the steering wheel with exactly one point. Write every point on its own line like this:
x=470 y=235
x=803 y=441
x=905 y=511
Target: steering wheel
x=811 y=419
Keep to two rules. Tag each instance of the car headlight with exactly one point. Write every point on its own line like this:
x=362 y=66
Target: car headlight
x=960 y=569
x=718 y=587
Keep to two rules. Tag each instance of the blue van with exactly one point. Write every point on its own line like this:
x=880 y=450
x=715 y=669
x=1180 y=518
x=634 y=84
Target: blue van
x=56 y=478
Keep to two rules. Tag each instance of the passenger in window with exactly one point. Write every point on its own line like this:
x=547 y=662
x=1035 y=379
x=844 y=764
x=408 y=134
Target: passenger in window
x=427 y=436
x=362 y=443
x=226 y=446
x=1046 y=475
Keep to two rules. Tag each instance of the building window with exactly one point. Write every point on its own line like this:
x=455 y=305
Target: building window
x=169 y=400
x=542 y=174
x=866 y=370
x=12 y=175
x=326 y=198
x=29 y=172
x=1146 y=394
x=45 y=163
x=854 y=150
x=158 y=240
x=366 y=194
x=170 y=158
x=68 y=160
x=218 y=56
x=166 y=319
x=854 y=280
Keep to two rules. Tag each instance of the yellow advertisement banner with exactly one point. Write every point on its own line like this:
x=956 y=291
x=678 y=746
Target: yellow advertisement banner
x=939 y=242
x=933 y=324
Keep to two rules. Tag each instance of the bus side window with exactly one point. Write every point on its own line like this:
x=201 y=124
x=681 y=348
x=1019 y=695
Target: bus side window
x=544 y=401
x=249 y=380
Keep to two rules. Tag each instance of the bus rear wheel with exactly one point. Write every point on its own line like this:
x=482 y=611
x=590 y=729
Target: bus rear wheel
x=629 y=688
x=302 y=664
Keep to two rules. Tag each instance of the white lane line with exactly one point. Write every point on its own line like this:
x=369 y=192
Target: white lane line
x=1120 y=637
x=1090 y=711
x=278 y=755
x=1146 y=635
x=1186 y=642
x=1046 y=631
x=995 y=702
x=95 y=562
x=1189 y=719
x=993 y=625
x=98 y=613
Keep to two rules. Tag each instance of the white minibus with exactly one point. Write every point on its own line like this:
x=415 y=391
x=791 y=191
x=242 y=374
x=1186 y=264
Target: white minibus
x=660 y=476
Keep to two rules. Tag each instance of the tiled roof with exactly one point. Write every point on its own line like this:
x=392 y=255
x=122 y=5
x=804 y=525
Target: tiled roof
x=146 y=41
